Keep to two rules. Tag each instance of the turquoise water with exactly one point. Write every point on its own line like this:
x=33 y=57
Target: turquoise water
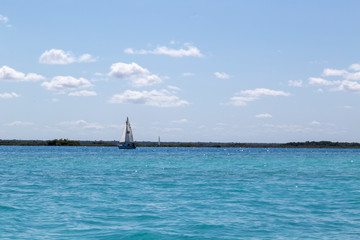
x=178 y=193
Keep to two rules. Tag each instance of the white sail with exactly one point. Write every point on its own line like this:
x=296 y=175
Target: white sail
x=127 y=139
x=122 y=139
x=127 y=136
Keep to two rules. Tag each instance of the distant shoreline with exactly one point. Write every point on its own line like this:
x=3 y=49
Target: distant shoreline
x=66 y=142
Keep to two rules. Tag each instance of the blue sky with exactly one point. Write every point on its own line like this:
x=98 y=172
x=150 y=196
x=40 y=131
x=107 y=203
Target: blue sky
x=229 y=71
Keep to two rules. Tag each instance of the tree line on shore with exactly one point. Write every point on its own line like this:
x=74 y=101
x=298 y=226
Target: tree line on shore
x=66 y=142
x=55 y=142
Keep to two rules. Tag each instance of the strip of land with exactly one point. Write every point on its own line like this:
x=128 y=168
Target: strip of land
x=66 y=142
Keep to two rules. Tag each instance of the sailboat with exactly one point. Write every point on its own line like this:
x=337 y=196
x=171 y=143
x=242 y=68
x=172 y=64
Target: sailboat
x=127 y=139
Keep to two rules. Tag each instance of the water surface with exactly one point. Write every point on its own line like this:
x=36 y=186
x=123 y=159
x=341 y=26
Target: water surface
x=178 y=193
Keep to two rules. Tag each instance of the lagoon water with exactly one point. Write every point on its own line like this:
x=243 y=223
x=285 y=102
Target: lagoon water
x=178 y=193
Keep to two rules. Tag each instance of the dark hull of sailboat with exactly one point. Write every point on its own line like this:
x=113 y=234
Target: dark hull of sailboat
x=126 y=146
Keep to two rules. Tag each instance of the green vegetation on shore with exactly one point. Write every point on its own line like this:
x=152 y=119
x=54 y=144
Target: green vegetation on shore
x=63 y=142
x=55 y=142
x=66 y=142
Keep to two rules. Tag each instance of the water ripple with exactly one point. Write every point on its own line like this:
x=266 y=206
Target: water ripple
x=178 y=193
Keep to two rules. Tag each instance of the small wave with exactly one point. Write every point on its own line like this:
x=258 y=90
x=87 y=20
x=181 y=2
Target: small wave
x=9 y=208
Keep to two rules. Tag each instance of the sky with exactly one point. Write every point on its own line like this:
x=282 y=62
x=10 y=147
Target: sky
x=210 y=71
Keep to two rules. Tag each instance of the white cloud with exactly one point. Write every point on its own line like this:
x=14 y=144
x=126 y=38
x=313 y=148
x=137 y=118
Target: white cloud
x=315 y=123
x=9 y=95
x=346 y=80
x=349 y=86
x=19 y=123
x=147 y=80
x=130 y=51
x=353 y=76
x=264 y=115
x=322 y=82
x=83 y=93
x=139 y=76
x=333 y=72
x=62 y=83
x=294 y=83
x=81 y=124
x=86 y=58
x=58 y=56
x=355 y=67
x=252 y=95
x=99 y=74
x=173 y=88
x=10 y=74
x=34 y=77
x=221 y=75
x=188 y=51
x=162 y=98
x=184 y=120
x=258 y=92
x=124 y=70
x=328 y=72
x=241 y=101
x=4 y=20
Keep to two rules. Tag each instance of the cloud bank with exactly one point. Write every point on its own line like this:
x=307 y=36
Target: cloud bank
x=339 y=79
x=58 y=56
x=188 y=51
x=162 y=98
x=64 y=83
x=81 y=124
x=251 y=95
x=10 y=74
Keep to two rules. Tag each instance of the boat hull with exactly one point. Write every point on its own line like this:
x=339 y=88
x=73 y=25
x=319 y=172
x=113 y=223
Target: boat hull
x=126 y=146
